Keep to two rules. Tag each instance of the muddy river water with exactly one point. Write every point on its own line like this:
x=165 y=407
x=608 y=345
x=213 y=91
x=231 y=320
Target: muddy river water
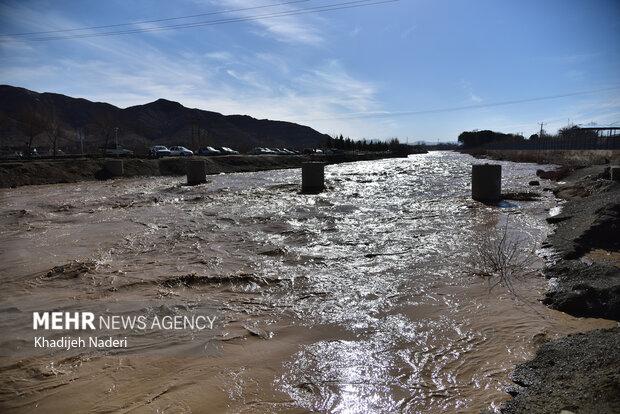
x=356 y=300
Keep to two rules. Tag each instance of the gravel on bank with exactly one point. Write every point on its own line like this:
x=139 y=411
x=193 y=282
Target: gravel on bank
x=589 y=221
x=579 y=373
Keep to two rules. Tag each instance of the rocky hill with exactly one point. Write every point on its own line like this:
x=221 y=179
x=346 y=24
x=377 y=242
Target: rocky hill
x=39 y=119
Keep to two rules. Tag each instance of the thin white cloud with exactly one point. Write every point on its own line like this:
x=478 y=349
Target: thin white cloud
x=221 y=56
x=292 y=29
x=274 y=61
x=408 y=31
x=355 y=31
x=127 y=71
x=346 y=91
x=468 y=88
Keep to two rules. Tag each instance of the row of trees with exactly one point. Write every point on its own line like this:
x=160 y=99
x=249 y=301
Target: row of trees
x=348 y=144
x=42 y=127
x=473 y=139
x=36 y=123
x=476 y=138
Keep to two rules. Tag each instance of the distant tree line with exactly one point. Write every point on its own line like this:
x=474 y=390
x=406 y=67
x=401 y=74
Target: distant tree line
x=473 y=139
x=348 y=144
x=570 y=133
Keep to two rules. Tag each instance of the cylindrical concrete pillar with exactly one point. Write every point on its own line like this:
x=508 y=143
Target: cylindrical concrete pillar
x=614 y=172
x=312 y=177
x=114 y=167
x=196 y=172
x=486 y=182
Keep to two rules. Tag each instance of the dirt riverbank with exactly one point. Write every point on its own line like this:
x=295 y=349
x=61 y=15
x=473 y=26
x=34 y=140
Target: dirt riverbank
x=574 y=158
x=579 y=373
x=69 y=170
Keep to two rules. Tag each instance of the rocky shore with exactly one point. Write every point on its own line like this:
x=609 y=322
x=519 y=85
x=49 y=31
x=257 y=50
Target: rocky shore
x=579 y=373
x=68 y=170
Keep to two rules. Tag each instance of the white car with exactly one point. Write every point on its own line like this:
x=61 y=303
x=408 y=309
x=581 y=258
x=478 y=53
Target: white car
x=179 y=151
x=159 y=151
x=228 y=151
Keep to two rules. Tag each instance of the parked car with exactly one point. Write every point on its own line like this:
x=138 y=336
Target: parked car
x=209 y=151
x=11 y=155
x=118 y=152
x=262 y=151
x=159 y=151
x=228 y=151
x=180 y=151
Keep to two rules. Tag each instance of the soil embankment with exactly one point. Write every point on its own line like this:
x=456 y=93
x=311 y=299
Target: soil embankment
x=67 y=170
x=577 y=158
x=579 y=373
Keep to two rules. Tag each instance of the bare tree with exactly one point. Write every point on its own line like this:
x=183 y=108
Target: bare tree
x=33 y=125
x=198 y=135
x=104 y=127
x=503 y=258
x=53 y=129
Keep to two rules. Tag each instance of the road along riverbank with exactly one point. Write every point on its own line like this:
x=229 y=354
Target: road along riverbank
x=68 y=170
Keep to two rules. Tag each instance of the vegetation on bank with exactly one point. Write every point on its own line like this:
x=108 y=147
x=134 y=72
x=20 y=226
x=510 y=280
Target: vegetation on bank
x=569 y=137
x=392 y=145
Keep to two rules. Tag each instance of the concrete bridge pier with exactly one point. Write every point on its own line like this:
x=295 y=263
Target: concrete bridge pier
x=486 y=182
x=312 y=177
x=196 y=172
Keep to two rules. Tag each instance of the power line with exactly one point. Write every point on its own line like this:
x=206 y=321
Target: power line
x=357 y=115
x=191 y=16
x=318 y=9
x=329 y=7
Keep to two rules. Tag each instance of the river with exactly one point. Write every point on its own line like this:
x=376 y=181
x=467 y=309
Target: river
x=356 y=300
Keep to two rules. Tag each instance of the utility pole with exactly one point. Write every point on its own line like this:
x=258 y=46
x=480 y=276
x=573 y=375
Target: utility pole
x=116 y=137
x=541 y=130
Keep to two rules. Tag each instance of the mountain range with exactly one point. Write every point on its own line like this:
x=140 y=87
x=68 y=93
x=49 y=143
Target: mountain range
x=31 y=119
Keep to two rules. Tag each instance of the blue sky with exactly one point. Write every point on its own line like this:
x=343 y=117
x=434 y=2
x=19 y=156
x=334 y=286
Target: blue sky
x=351 y=71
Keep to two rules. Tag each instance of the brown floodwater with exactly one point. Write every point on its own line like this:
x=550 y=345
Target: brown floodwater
x=357 y=300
